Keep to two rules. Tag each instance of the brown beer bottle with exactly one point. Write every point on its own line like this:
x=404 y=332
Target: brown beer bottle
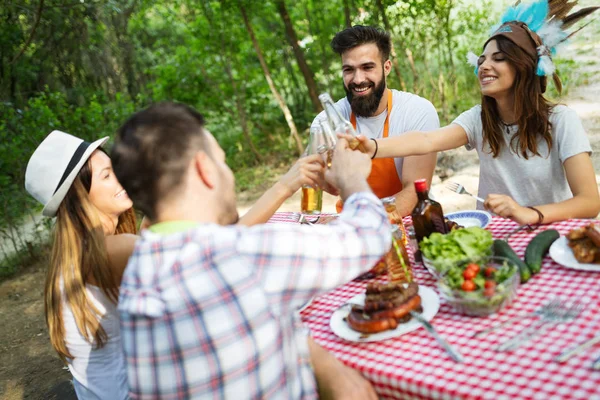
x=427 y=215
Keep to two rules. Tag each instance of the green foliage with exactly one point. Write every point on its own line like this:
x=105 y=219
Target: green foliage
x=21 y=131
x=84 y=67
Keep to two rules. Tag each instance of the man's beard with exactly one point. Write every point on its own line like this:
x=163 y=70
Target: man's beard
x=365 y=106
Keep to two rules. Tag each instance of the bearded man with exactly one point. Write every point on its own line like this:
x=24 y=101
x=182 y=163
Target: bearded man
x=377 y=112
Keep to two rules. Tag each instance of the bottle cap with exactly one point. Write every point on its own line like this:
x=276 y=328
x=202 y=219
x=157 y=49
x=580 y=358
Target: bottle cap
x=324 y=97
x=421 y=185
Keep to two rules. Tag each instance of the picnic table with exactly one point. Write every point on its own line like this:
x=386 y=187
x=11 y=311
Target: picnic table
x=414 y=366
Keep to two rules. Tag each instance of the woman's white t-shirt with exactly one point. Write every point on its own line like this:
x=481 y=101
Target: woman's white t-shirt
x=537 y=180
x=99 y=373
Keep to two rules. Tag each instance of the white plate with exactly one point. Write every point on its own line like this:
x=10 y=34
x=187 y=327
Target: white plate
x=562 y=254
x=430 y=302
x=470 y=218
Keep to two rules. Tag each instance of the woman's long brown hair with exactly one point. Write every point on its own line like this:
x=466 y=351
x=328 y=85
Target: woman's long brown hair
x=78 y=257
x=530 y=106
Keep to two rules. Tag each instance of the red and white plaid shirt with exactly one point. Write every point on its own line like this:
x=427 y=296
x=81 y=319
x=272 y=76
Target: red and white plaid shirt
x=211 y=312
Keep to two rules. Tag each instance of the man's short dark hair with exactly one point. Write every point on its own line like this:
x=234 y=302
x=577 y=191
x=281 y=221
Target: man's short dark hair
x=358 y=35
x=152 y=152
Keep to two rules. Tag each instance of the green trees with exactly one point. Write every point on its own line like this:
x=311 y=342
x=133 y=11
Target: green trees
x=253 y=70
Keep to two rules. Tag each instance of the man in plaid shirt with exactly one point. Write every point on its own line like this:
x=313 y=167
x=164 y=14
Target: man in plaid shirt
x=208 y=308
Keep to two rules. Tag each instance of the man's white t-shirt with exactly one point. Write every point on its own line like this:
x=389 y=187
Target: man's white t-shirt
x=537 y=180
x=409 y=113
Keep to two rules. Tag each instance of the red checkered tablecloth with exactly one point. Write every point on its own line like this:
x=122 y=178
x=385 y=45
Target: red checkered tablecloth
x=413 y=366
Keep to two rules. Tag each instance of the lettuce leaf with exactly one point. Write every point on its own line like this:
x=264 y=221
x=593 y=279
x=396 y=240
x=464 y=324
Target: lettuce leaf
x=457 y=245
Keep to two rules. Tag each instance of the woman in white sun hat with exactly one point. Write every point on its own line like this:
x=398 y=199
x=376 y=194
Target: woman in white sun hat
x=94 y=235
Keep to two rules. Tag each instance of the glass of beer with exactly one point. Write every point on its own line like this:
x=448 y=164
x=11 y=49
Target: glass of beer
x=312 y=200
x=312 y=196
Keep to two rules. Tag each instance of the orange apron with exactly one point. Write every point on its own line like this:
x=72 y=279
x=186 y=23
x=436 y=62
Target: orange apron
x=383 y=179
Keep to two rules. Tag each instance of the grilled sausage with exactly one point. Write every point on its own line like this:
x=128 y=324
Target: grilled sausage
x=361 y=322
x=379 y=321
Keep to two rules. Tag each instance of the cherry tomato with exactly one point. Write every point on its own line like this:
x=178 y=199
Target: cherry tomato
x=469 y=274
x=489 y=271
x=468 y=286
x=474 y=267
x=489 y=284
x=489 y=292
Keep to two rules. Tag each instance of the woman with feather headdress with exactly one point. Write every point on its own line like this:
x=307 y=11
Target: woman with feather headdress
x=535 y=164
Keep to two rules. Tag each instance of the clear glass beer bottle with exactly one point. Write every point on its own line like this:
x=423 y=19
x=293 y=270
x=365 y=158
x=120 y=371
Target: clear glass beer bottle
x=338 y=122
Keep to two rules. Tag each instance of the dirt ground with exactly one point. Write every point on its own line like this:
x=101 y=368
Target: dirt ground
x=29 y=368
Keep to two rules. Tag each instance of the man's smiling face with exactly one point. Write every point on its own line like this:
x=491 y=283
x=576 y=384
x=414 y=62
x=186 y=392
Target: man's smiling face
x=364 y=76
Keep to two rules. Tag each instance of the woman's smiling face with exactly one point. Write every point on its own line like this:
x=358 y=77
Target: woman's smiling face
x=106 y=193
x=496 y=75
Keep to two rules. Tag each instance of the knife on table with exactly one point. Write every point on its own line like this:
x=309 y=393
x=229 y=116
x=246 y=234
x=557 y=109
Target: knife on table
x=454 y=354
x=565 y=355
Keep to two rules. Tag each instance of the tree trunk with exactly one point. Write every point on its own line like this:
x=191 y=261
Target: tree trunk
x=323 y=50
x=450 y=48
x=241 y=111
x=121 y=22
x=295 y=87
x=411 y=61
x=286 y=111
x=228 y=57
x=347 y=14
x=432 y=82
x=239 y=105
x=388 y=28
x=442 y=91
x=290 y=34
x=38 y=16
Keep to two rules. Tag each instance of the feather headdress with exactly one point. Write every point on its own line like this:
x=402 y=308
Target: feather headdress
x=538 y=28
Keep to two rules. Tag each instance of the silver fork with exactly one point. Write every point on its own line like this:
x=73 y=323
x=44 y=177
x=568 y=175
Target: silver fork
x=544 y=308
x=460 y=189
x=558 y=315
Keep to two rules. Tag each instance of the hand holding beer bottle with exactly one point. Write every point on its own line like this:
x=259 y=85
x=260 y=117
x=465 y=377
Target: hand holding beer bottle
x=349 y=170
x=341 y=126
x=365 y=143
x=307 y=170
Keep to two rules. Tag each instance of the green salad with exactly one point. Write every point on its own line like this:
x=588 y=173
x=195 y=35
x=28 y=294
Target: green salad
x=445 y=250
x=480 y=288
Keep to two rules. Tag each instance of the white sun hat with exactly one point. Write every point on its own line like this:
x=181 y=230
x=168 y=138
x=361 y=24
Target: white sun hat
x=53 y=167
